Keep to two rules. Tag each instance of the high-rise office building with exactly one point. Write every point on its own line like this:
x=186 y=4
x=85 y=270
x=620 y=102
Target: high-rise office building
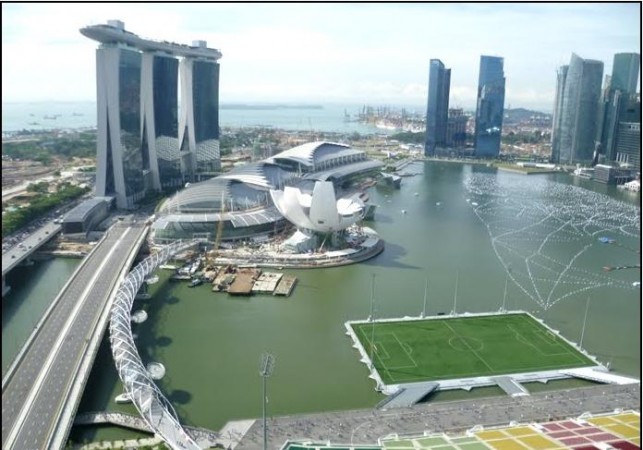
x=628 y=144
x=618 y=102
x=437 y=108
x=625 y=72
x=140 y=141
x=456 y=128
x=490 y=106
x=561 y=76
x=576 y=113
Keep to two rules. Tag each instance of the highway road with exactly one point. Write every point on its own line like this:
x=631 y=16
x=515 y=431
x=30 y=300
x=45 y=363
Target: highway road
x=28 y=245
x=34 y=395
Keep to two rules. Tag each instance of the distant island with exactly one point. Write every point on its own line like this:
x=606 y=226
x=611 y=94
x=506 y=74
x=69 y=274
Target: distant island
x=266 y=106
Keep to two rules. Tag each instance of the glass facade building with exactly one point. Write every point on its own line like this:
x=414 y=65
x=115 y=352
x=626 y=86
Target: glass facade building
x=625 y=72
x=618 y=103
x=122 y=165
x=199 y=123
x=143 y=142
x=490 y=106
x=205 y=98
x=161 y=133
x=561 y=76
x=576 y=123
x=437 y=109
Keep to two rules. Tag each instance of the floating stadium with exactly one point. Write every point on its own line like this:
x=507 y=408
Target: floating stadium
x=411 y=357
x=242 y=198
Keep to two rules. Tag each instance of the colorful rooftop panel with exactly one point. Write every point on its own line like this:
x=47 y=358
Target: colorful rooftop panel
x=618 y=431
x=613 y=431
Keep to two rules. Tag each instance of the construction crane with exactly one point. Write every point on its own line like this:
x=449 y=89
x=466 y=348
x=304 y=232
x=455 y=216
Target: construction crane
x=217 y=236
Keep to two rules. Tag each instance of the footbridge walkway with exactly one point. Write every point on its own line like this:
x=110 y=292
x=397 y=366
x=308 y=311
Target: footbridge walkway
x=204 y=437
x=155 y=409
x=43 y=386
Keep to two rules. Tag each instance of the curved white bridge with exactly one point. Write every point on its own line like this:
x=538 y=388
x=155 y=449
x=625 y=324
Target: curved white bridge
x=154 y=408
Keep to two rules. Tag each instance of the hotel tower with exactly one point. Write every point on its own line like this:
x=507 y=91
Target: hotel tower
x=146 y=140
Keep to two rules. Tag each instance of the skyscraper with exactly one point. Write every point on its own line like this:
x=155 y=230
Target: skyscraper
x=159 y=86
x=199 y=124
x=490 y=106
x=561 y=77
x=625 y=72
x=437 y=108
x=120 y=162
x=576 y=114
x=618 y=101
x=140 y=145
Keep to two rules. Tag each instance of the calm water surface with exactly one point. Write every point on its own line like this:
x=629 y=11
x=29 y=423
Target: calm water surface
x=518 y=230
x=33 y=288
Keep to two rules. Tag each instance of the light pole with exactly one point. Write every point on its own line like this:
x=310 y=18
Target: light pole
x=426 y=288
x=504 y=297
x=455 y=294
x=582 y=333
x=372 y=319
x=265 y=370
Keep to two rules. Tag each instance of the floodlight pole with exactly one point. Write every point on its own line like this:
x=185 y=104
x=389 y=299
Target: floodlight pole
x=455 y=294
x=426 y=288
x=504 y=297
x=582 y=333
x=372 y=319
x=265 y=370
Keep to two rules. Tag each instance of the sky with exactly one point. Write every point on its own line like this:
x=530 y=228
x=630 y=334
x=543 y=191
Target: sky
x=359 y=53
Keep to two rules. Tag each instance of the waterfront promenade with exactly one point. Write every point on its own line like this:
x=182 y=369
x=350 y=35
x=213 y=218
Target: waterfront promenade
x=42 y=388
x=366 y=426
x=204 y=437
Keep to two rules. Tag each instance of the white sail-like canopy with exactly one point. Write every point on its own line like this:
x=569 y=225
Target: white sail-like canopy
x=320 y=211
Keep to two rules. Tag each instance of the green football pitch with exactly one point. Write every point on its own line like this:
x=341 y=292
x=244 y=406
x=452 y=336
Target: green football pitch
x=464 y=347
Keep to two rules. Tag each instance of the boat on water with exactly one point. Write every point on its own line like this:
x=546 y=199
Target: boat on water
x=195 y=282
x=123 y=398
x=390 y=180
x=168 y=267
x=194 y=266
x=584 y=172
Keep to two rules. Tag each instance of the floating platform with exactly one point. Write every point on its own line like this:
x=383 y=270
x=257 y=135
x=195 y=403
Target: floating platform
x=514 y=347
x=243 y=282
x=266 y=283
x=286 y=285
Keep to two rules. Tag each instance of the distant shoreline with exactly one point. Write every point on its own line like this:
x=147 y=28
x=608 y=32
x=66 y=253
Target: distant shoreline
x=253 y=106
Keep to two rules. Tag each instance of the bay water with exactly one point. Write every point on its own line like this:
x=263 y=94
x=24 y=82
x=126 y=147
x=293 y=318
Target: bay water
x=538 y=233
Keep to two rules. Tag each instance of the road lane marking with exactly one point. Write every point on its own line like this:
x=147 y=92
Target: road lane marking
x=61 y=337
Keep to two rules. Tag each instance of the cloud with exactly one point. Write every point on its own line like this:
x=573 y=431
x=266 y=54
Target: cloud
x=366 y=53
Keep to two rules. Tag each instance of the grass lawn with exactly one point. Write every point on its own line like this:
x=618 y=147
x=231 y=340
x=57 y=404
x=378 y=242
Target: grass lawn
x=464 y=347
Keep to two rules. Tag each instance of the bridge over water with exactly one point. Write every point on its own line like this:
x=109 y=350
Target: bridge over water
x=16 y=255
x=42 y=388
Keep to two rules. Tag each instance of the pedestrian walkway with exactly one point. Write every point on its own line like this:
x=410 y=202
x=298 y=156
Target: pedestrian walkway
x=364 y=427
x=204 y=437
x=510 y=386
